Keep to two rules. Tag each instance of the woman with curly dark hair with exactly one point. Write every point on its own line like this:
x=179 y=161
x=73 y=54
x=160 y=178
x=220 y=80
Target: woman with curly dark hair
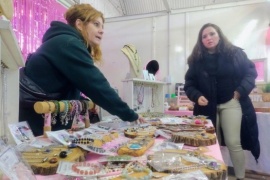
x=219 y=80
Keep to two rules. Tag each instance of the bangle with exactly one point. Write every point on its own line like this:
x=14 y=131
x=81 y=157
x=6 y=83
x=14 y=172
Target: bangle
x=85 y=168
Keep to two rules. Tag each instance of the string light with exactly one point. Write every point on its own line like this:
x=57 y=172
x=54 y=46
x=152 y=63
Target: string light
x=31 y=19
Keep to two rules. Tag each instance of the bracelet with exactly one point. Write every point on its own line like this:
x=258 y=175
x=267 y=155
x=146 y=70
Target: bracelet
x=56 y=111
x=63 y=115
x=85 y=168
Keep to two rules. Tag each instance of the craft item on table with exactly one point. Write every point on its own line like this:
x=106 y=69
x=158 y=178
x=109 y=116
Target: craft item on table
x=61 y=136
x=177 y=161
x=115 y=144
x=153 y=115
x=12 y=165
x=140 y=171
x=181 y=127
x=114 y=123
x=167 y=145
x=86 y=168
x=162 y=133
x=154 y=122
x=133 y=132
x=194 y=138
x=201 y=117
x=80 y=169
x=21 y=133
x=198 y=122
x=83 y=141
x=45 y=161
x=173 y=120
x=137 y=146
x=210 y=130
x=95 y=149
x=113 y=168
x=188 y=176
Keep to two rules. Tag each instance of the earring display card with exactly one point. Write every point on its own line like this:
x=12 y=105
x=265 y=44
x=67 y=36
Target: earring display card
x=12 y=165
x=22 y=133
x=61 y=136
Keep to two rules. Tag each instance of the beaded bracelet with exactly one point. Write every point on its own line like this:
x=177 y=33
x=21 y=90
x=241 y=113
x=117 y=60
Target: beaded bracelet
x=85 y=168
x=56 y=111
x=84 y=107
x=63 y=115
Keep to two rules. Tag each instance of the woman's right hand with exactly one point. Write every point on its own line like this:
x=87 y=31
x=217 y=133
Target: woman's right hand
x=202 y=101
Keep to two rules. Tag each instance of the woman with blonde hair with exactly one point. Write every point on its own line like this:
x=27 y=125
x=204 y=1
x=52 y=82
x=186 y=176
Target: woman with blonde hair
x=63 y=67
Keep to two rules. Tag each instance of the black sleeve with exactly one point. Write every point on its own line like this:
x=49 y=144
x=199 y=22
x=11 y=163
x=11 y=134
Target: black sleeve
x=75 y=63
x=247 y=82
x=190 y=86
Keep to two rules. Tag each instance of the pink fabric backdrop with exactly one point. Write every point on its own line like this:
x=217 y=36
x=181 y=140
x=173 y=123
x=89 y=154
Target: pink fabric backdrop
x=31 y=19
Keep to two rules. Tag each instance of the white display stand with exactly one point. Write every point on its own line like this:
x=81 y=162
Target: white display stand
x=182 y=99
x=150 y=93
x=11 y=60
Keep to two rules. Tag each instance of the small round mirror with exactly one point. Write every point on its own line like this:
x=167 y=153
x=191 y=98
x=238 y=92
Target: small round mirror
x=152 y=67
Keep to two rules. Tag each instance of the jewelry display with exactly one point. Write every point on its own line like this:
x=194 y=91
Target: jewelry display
x=144 y=141
x=194 y=138
x=153 y=115
x=132 y=54
x=140 y=131
x=140 y=95
x=63 y=115
x=119 y=158
x=87 y=169
x=136 y=167
x=45 y=161
x=21 y=133
x=83 y=141
x=56 y=111
x=183 y=161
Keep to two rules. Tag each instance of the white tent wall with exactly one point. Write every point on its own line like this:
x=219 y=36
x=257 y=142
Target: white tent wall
x=169 y=38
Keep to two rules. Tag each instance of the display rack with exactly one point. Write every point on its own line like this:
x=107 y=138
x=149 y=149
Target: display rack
x=144 y=95
x=182 y=99
x=11 y=60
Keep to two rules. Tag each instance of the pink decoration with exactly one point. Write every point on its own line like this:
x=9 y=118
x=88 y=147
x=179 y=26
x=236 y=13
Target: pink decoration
x=198 y=121
x=31 y=19
x=268 y=37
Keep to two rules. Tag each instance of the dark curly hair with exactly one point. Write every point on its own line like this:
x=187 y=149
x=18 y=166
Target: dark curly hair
x=224 y=44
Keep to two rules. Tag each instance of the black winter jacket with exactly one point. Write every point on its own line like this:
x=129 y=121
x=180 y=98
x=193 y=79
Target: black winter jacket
x=198 y=83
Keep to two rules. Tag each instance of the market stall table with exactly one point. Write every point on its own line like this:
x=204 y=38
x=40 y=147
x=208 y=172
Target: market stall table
x=214 y=151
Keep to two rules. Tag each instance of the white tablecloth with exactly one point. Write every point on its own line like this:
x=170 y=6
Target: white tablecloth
x=263 y=165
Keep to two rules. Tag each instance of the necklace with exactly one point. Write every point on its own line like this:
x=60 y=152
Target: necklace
x=132 y=54
x=140 y=95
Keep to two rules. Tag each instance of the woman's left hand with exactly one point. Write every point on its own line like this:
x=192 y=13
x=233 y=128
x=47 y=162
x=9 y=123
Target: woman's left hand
x=236 y=95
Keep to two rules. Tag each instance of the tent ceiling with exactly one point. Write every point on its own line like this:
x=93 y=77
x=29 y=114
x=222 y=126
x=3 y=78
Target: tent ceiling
x=120 y=8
